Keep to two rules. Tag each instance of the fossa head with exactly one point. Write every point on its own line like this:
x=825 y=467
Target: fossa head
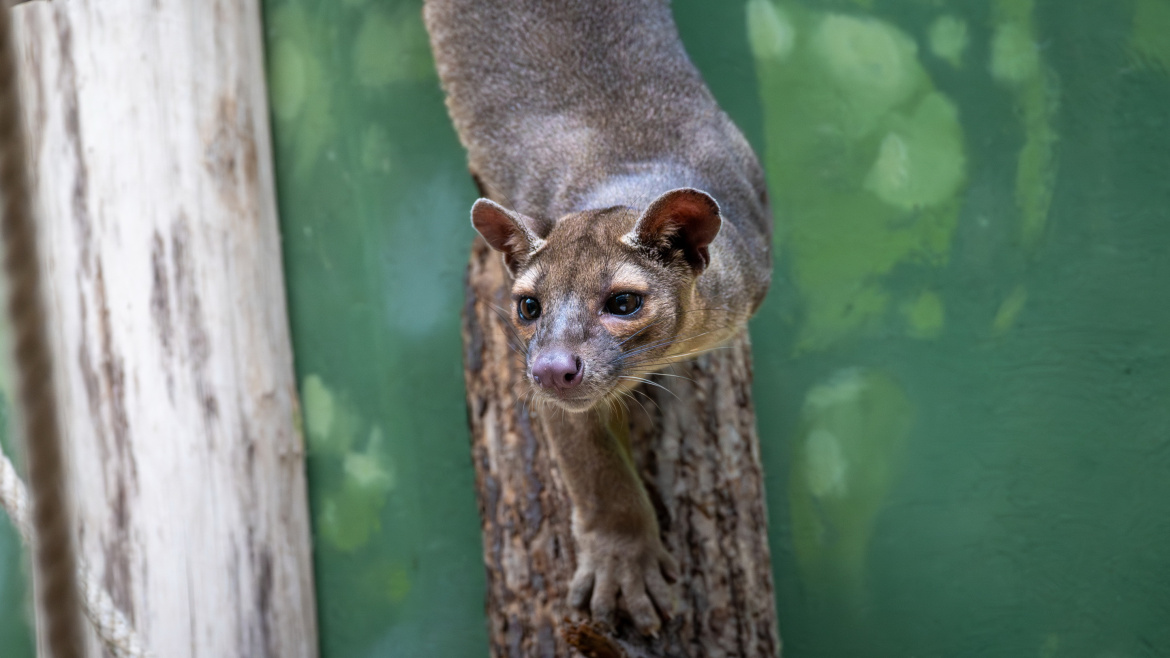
x=599 y=297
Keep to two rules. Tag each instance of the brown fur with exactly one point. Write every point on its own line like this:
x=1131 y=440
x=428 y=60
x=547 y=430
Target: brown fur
x=613 y=167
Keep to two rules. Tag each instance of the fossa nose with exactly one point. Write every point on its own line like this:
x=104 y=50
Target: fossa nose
x=557 y=370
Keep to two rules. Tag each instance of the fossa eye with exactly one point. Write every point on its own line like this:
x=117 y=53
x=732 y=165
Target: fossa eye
x=528 y=308
x=623 y=303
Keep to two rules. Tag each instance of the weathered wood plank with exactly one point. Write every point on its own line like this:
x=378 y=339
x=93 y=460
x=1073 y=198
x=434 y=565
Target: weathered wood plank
x=150 y=146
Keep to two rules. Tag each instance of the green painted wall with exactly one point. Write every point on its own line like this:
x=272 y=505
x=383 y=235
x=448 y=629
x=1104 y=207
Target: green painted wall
x=963 y=370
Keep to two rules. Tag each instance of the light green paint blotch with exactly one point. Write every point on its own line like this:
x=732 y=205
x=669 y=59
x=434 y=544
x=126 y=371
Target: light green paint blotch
x=349 y=513
x=825 y=465
x=871 y=62
x=1016 y=62
x=1036 y=168
x=852 y=434
x=351 y=509
x=391 y=49
x=948 y=39
x=348 y=518
x=298 y=86
x=771 y=34
x=366 y=471
x=318 y=409
x=287 y=82
x=925 y=316
x=920 y=161
x=1014 y=54
x=1150 y=42
x=332 y=423
x=370 y=469
x=1009 y=311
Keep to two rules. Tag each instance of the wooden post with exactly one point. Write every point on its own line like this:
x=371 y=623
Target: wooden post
x=698 y=453
x=148 y=131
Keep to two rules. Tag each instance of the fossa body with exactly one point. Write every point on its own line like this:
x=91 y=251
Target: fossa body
x=633 y=217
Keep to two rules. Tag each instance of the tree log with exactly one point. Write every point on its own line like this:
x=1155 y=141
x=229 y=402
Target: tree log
x=698 y=452
x=149 y=140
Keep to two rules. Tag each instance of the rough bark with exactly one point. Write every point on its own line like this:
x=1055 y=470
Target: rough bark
x=697 y=450
x=149 y=140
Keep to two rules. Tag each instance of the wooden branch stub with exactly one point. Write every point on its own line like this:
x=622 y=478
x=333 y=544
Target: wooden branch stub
x=591 y=640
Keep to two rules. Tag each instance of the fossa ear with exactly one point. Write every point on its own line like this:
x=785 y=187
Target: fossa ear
x=513 y=234
x=685 y=220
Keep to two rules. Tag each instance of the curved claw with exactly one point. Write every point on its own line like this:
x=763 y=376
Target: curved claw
x=613 y=573
x=662 y=593
x=669 y=566
x=639 y=606
x=604 y=601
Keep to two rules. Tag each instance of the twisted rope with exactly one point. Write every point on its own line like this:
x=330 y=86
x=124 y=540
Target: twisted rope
x=115 y=631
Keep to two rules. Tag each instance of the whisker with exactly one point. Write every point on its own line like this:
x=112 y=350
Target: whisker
x=647 y=381
x=678 y=358
x=516 y=345
x=647 y=348
x=518 y=350
x=528 y=397
x=663 y=374
x=631 y=396
x=617 y=404
x=651 y=399
x=521 y=401
x=635 y=334
x=693 y=310
x=507 y=322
